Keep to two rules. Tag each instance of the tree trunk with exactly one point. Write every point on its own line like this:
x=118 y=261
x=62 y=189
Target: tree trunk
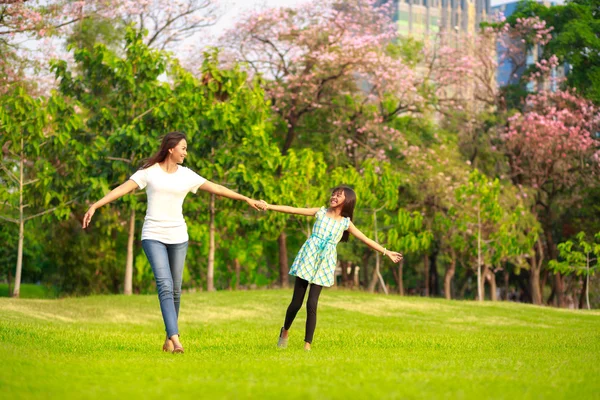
x=490 y=276
x=17 y=289
x=480 y=293
x=559 y=290
x=534 y=274
x=128 y=289
x=506 y=276
x=345 y=265
x=210 y=275
x=448 y=277
x=365 y=268
x=558 y=278
x=426 y=269
x=434 y=278
x=238 y=271
x=400 y=277
x=283 y=261
x=376 y=274
x=587 y=282
x=534 y=286
x=543 y=280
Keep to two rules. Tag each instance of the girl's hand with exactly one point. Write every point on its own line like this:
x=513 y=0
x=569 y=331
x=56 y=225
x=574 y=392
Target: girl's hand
x=257 y=205
x=87 y=218
x=395 y=257
x=264 y=205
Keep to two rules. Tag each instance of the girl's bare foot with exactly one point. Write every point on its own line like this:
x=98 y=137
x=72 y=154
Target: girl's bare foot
x=168 y=346
x=306 y=346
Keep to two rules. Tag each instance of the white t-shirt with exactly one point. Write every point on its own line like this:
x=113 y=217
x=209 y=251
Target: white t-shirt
x=164 y=217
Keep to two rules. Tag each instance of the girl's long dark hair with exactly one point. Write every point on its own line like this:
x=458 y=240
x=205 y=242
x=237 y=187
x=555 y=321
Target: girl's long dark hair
x=348 y=207
x=170 y=140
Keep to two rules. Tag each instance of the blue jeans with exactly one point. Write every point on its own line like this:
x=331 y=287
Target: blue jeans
x=167 y=264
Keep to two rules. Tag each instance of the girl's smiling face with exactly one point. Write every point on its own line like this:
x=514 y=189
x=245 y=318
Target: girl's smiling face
x=337 y=199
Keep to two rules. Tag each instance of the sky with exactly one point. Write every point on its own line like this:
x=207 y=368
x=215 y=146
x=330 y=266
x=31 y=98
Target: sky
x=235 y=8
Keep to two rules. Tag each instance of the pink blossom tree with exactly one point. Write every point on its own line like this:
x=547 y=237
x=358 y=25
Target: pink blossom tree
x=552 y=148
x=328 y=59
x=312 y=55
x=35 y=22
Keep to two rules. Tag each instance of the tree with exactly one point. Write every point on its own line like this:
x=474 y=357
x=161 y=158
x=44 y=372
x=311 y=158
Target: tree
x=327 y=56
x=36 y=147
x=226 y=116
x=574 y=40
x=119 y=94
x=580 y=258
x=409 y=236
x=482 y=211
x=551 y=148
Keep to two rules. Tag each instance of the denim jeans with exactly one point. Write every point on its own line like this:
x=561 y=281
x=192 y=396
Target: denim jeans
x=167 y=264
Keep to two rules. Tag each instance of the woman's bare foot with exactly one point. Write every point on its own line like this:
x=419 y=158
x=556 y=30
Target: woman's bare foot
x=177 y=346
x=168 y=346
x=306 y=346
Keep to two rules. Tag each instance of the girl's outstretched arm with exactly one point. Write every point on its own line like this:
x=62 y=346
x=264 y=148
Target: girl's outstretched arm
x=309 y=212
x=394 y=256
x=114 y=194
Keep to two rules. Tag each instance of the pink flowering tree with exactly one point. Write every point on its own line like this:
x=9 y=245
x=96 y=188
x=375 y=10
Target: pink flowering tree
x=327 y=55
x=327 y=60
x=44 y=25
x=552 y=148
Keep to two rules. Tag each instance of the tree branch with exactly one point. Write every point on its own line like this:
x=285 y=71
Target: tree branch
x=10 y=174
x=9 y=219
x=47 y=211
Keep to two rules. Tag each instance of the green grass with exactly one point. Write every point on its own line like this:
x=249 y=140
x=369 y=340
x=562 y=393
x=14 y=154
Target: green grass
x=366 y=346
x=28 y=291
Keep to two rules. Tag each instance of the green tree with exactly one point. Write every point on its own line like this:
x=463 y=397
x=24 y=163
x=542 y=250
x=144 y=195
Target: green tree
x=37 y=148
x=579 y=257
x=118 y=95
x=575 y=40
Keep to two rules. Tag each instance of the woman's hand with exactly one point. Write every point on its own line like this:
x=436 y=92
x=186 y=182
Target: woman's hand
x=257 y=205
x=394 y=256
x=87 y=218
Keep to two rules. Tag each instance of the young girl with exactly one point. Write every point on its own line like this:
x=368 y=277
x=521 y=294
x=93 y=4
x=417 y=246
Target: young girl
x=164 y=234
x=315 y=263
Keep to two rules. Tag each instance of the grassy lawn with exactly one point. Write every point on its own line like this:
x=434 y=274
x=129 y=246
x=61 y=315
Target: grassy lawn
x=28 y=291
x=366 y=346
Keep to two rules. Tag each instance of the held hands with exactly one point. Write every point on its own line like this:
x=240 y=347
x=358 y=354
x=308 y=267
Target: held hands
x=257 y=205
x=87 y=218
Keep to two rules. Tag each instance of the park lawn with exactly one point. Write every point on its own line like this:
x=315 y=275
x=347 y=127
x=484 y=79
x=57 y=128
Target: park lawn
x=28 y=291
x=366 y=346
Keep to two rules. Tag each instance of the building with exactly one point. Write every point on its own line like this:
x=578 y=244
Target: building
x=424 y=18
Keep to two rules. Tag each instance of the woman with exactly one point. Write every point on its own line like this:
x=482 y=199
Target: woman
x=164 y=234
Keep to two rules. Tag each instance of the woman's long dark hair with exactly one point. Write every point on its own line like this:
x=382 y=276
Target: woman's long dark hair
x=170 y=141
x=348 y=207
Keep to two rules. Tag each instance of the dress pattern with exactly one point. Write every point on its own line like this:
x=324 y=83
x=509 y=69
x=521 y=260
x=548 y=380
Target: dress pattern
x=317 y=258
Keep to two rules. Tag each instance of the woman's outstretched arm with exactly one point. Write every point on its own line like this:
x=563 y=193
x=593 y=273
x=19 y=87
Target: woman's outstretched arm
x=394 y=256
x=114 y=194
x=309 y=212
x=219 y=190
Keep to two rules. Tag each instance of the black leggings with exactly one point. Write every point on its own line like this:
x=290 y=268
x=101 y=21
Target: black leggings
x=311 y=307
